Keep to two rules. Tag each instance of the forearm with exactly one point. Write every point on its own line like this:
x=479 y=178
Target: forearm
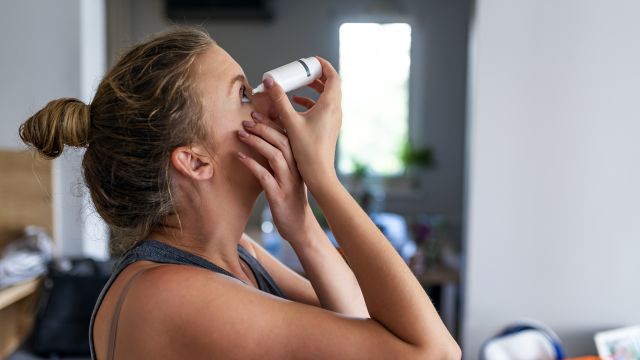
x=333 y=281
x=393 y=295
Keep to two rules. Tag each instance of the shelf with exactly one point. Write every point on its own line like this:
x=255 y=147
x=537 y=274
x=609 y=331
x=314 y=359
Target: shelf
x=15 y=293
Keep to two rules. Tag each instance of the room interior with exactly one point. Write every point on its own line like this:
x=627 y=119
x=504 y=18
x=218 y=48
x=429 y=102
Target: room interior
x=522 y=115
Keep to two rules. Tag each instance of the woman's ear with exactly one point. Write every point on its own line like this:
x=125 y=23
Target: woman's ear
x=192 y=161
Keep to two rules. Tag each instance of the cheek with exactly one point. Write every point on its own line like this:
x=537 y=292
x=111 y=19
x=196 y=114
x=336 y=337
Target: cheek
x=229 y=144
x=224 y=130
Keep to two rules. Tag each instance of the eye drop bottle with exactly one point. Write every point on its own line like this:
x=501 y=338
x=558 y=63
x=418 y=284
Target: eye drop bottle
x=293 y=75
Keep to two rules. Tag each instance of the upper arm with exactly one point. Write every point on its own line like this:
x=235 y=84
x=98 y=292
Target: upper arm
x=219 y=317
x=296 y=287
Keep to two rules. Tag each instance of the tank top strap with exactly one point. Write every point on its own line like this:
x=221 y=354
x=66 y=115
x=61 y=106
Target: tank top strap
x=113 y=333
x=159 y=252
x=265 y=281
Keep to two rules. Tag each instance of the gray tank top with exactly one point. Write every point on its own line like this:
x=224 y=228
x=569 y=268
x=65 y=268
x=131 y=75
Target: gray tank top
x=159 y=252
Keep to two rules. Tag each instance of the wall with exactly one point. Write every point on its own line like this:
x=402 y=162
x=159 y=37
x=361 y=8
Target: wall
x=553 y=168
x=305 y=27
x=51 y=50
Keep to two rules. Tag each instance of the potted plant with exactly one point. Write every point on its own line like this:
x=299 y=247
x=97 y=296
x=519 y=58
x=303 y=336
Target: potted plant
x=415 y=160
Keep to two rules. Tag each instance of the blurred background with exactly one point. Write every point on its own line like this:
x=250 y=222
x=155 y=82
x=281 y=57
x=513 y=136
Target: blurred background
x=495 y=143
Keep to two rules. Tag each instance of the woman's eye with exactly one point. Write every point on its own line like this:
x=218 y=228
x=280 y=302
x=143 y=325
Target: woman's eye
x=245 y=98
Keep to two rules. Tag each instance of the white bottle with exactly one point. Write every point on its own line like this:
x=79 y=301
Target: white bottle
x=293 y=75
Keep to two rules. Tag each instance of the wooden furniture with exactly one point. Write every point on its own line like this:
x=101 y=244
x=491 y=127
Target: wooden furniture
x=17 y=292
x=17 y=309
x=25 y=199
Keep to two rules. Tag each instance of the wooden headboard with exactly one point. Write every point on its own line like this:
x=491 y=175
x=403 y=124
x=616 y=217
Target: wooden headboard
x=25 y=199
x=25 y=193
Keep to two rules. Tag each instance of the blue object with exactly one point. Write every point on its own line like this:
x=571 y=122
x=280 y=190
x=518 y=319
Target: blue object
x=508 y=334
x=394 y=227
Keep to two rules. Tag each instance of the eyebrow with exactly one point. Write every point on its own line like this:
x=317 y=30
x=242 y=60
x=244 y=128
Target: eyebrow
x=235 y=79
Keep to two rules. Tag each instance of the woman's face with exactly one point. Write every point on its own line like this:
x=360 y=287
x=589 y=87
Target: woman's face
x=227 y=101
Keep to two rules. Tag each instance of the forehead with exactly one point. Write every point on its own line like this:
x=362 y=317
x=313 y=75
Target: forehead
x=215 y=68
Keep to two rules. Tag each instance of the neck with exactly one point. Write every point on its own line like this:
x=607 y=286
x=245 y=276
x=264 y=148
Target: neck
x=210 y=225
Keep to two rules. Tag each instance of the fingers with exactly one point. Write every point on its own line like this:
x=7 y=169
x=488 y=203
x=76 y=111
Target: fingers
x=328 y=71
x=331 y=80
x=268 y=182
x=328 y=85
x=317 y=85
x=280 y=100
x=259 y=118
x=275 y=119
x=274 y=138
x=274 y=156
x=304 y=101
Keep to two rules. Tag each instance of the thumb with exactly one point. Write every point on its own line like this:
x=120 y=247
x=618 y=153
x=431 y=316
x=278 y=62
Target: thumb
x=280 y=101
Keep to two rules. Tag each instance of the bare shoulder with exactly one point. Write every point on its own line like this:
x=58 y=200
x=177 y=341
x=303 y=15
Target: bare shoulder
x=218 y=316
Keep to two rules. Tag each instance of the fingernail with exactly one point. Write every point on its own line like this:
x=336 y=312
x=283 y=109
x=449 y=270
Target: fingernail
x=241 y=155
x=243 y=134
x=268 y=82
x=257 y=116
x=248 y=124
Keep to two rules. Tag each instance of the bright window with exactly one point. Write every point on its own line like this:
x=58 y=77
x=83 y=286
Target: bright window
x=374 y=67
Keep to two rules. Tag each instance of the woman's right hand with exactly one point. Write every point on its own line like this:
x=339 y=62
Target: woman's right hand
x=313 y=134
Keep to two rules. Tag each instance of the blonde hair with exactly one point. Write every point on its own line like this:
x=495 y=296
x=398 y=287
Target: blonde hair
x=146 y=106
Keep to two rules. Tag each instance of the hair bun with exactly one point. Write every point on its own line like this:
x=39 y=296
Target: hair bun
x=61 y=122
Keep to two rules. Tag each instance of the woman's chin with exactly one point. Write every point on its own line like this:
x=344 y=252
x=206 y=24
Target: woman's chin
x=250 y=182
x=254 y=185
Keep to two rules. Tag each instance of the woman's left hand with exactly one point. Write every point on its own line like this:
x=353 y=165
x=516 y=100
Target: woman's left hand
x=334 y=284
x=283 y=186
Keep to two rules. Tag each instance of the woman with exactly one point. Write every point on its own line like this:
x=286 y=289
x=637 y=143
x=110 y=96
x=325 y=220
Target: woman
x=177 y=152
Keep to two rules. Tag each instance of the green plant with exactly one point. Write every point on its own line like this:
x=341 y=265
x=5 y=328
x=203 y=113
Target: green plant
x=360 y=169
x=419 y=158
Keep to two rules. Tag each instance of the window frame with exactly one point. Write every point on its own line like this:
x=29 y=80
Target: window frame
x=397 y=184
